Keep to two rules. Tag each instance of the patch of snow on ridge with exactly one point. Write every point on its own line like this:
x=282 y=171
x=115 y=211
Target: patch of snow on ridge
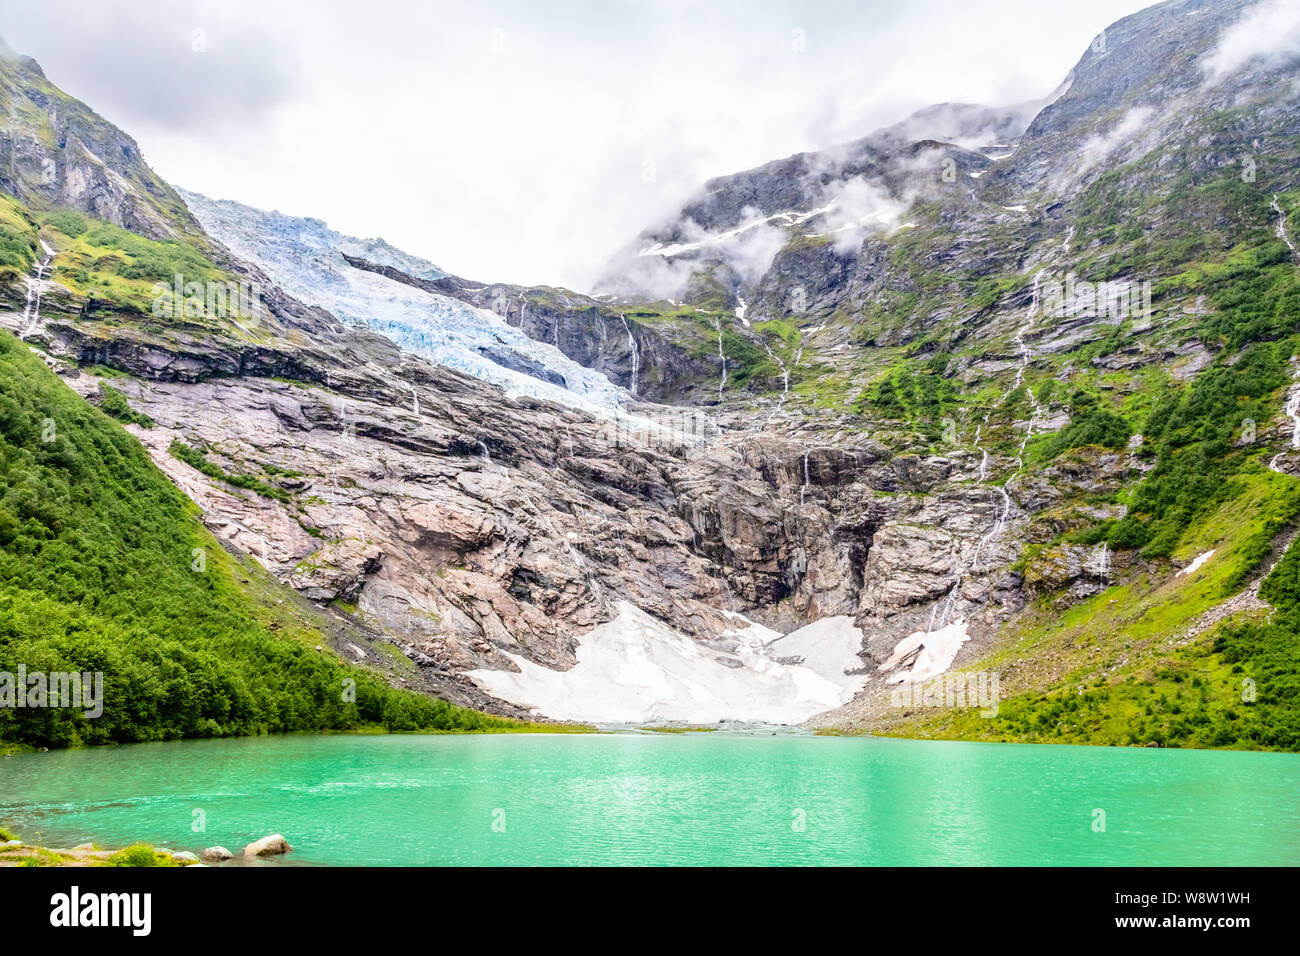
x=637 y=669
x=934 y=652
x=787 y=218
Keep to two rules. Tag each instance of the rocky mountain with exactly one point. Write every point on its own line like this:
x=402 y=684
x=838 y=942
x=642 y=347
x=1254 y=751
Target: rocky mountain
x=994 y=392
x=54 y=151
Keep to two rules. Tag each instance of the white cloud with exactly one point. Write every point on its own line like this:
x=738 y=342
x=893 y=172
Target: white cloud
x=1267 y=36
x=860 y=206
x=512 y=140
x=1098 y=148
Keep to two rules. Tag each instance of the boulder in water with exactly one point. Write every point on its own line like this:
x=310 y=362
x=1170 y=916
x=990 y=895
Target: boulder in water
x=272 y=845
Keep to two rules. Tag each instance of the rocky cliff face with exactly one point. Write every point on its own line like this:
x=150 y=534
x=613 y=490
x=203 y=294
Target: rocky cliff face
x=657 y=364
x=467 y=526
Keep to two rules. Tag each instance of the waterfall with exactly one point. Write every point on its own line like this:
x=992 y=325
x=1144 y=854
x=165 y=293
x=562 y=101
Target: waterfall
x=785 y=372
x=1102 y=560
x=806 y=481
x=785 y=380
x=487 y=459
x=1292 y=407
x=32 y=310
x=731 y=602
x=1292 y=411
x=722 y=383
x=1281 y=224
x=1025 y=356
x=1004 y=509
x=636 y=355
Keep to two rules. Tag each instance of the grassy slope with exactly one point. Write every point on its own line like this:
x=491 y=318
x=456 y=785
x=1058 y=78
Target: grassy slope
x=96 y=557
x=1123 y=667
x=18 y=232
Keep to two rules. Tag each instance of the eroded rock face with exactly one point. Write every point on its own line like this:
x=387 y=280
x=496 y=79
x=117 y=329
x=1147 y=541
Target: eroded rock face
x=466 y=526
x=482 y=526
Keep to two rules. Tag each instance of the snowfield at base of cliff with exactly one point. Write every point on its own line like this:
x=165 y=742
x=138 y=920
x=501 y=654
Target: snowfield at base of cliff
x=636 y=669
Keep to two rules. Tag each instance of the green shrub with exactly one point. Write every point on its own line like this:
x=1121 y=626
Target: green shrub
x=70 y=223
x=141 y=854
x=1089 y=425
x=195 y=458
x=114 y=403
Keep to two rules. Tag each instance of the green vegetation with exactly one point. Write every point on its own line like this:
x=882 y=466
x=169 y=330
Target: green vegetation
x=117 y=268
x=197 y=458
x=39 y=857
x=114 y=403
x=140 y=854
x=18 y=241
x=1089 y=425
x=917 y=393
x=68 y=222
x=678 y=730
x=1193 y=434
x=746 y=361
x=99 y=573
x=1111 y=670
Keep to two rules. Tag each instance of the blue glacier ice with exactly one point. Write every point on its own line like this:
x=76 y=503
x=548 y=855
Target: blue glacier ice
x=305 y=258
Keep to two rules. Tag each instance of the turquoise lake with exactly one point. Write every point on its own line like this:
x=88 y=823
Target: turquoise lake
x=716 y=798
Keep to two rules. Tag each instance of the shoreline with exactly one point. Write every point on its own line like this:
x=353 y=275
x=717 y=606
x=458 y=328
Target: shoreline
x=12 y=748
x=17 y=854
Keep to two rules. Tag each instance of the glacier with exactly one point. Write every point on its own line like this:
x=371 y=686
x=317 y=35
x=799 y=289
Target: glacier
x=305 y=258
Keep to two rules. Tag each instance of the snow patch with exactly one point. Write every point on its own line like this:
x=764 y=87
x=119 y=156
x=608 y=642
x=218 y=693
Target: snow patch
x=637 y=669
x=786 y=218
x=934 y=652
x=1197 y=564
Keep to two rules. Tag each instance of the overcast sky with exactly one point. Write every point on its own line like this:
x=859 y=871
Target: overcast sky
x=524 y=140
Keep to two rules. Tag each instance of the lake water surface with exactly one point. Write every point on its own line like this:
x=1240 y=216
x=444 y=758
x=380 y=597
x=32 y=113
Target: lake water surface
x=715 y=798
